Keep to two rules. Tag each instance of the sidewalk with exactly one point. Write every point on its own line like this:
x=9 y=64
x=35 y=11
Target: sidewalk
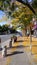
x=6 y=60
x=19 y=54
x=2 y=59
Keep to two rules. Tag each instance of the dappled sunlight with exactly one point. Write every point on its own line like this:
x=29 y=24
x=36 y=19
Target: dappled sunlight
x=26 y=43
x=34 y=49
x=34 y=41
x=15 y=44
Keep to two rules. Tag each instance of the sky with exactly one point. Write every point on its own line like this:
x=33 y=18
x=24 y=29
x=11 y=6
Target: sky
x=30 y=0
x=2 y=14
x=2 y=23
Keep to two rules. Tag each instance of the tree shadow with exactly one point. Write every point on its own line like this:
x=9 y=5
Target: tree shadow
x=20 y=41
x=14 y=53
x=33 y=53
x=19 y=46
x=34 y=45
x=34 y=41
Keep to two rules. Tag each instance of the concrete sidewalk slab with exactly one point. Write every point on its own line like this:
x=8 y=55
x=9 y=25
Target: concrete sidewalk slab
x=20 y=56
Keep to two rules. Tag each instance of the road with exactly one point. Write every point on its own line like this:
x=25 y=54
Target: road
x=5 y=37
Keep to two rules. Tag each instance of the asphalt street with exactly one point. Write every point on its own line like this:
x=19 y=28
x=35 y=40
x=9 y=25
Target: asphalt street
x=5 y=37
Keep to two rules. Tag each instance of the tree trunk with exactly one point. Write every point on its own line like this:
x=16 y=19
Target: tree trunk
x=30 y=41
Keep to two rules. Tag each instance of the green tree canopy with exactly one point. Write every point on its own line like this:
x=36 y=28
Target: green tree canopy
x=8 y=6
x=34 y=4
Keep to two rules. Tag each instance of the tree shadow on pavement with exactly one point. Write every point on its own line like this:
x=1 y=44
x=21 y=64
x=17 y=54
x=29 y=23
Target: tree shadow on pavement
x=14 y=53
x=34 y=53
x=20 y=41
x=19 y=46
